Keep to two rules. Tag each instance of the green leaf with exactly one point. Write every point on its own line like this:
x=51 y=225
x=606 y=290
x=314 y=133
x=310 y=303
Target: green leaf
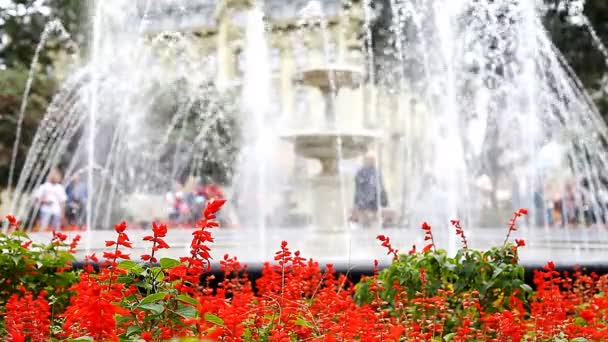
x=247 y=334
x=155 y=308
x=82 y=339
x=186 y=312
x=166 y=263
x=139 y=270
x=143 y=284
x=187 y=299
x=158 y=274
x=124 y=319
x=449 y=337
x=526 y=287
x=211 y=318
x=580 y=321
x=153 y=298
x=127 y=265
x=125 y=279
x=303 y=323
x=20 y=234
x=133 y=330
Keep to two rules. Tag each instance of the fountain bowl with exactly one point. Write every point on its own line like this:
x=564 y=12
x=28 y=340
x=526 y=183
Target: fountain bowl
x=325 y=144
x=330 y=77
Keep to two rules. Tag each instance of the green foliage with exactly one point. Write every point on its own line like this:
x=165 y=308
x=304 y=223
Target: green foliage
x=493 y=274
x=36 y=267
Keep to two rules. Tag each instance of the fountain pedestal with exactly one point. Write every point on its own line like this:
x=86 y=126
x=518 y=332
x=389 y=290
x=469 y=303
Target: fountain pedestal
x=328 y=203
x=329 y=145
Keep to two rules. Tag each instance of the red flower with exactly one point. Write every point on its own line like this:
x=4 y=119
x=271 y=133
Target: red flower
x=123 y=240
x=520 y=243
x=121 y=227
x=146 y=336
x=512 y=222
x=413 y=250
x=28 y=318
x=12 y=221
x=160 y=230
x=92 y=312
x=386 y=242
x=59 y=237
x=426 y=226
x=428 y=236
x=148 y=257
x=74 y=244
x=213 y=206
x=588 y=315
x=118 y=254
x=427 y=248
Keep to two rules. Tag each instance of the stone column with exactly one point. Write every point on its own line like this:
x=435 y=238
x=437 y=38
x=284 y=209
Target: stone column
x=287 y=70
x=224 y=58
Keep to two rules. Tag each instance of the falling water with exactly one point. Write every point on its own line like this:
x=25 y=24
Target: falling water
x=495 y=95
x=487 y=108
x=258 y=125
x=93 y=114
x=54 y=26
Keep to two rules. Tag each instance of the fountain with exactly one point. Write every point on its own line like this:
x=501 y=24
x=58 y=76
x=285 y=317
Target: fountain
x=466 y=103
x=328 y=144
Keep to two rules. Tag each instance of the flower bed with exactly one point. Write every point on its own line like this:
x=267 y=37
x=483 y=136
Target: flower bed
x=423 y=296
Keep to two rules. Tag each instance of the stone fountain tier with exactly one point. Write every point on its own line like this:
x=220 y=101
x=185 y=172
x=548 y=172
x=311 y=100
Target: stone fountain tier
x=328 y=145
x=330 y=78
x=331 y=202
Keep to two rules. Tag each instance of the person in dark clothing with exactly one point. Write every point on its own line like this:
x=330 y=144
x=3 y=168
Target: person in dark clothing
x=370 y=194
x=77 y=199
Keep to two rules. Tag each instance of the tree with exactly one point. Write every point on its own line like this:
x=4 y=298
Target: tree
x=573 y=38
x=22 y=23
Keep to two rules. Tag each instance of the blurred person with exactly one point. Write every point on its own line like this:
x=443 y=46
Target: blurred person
x=198 y=200
x=76 y=203
x=571 y=205
x=558 y=210
x=370 y=194
x=51 y=198
x=540 y=212
x=178 y=209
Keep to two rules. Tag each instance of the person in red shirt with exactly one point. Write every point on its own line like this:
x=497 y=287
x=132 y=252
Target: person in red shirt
x=213 y=191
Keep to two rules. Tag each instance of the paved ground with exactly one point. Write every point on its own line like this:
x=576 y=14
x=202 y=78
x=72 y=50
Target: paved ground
x=358 y=247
